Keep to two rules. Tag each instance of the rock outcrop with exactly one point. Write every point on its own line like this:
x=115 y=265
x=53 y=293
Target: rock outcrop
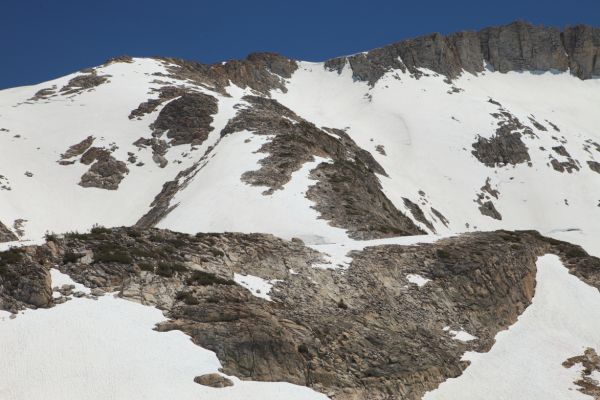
x=347 y=192
x=106 y=173
x=594 y=166
x=85 y=82
x=518 y=46
x=24 y=282
x=506 y=146
x=259 y=71
x=186 y=119
x=78 y=148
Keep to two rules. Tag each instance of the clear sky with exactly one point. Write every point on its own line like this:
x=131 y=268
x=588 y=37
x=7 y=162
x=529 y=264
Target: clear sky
x=44 y=39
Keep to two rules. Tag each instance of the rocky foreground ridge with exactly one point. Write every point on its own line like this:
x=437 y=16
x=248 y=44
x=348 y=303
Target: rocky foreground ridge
x=365 y=332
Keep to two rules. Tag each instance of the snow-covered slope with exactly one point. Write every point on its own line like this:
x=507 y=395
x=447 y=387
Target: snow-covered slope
x=424 y=132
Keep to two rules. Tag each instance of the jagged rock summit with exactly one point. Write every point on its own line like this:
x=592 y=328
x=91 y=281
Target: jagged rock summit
x=408 y=222
x=519 y=46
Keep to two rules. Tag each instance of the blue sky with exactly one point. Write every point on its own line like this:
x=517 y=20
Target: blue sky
x=43 y=39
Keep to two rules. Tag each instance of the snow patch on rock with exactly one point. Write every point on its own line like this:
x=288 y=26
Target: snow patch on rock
x=259 y=287
x=417 y=279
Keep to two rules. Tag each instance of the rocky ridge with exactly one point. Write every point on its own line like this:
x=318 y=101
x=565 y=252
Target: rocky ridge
x=363 y=333
x=518 y=46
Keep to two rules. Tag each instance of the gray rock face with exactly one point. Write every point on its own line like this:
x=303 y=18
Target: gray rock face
x=94 y=154
x=187 y=119
x=434 y=52
x=523 y=47
x=505 y=147
x=583 y=46
x=349 y=196
x=518 y=46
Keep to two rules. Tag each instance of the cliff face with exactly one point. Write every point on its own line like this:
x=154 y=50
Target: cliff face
x=518 y=46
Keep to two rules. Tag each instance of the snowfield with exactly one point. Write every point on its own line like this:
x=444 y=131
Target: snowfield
x=526 y=360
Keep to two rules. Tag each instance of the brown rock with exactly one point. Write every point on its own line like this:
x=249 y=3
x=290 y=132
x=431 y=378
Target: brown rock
x=213 y=380
x=79 y=148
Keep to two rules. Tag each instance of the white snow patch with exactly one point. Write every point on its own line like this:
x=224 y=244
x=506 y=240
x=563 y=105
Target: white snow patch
x=526 y=360
x=259 y=287
x=8 y=245
x=336 y=253
x=417 y=279
x=588 y=239
x=461 y=335
x=59 y=279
